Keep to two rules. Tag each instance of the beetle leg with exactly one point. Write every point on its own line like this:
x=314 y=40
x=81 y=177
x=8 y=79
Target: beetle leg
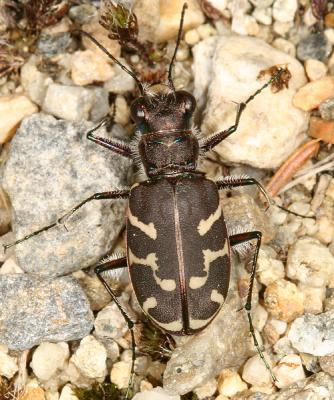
x=235 y=240
x=216 y=138
x=229 y=182
x=116 y=146
x=104 y=268
x=117 y=194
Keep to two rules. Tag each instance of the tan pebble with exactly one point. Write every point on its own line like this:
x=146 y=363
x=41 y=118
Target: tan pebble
x=330 y=190
x=270 y=333
x=13 y=109
x=67 y=394
x=284 y=300
x=120 y=374
x=315 y=69
x=322 y=129
x=192 y=37
x=230 y=383
x=260 y=316
x=145 y=385
x=325 y=232
x=33 y=394
x=170 y=12
x=101 y=35
x=88 y=67
x=314 y=297
x=313 y=93
x=10 y=266
x=255 y=372
x=206 y=30
x=285 y=45
x=289 y=370
x=207 y=390
x=222 y=397
x=329 y=33
x=327 y=364
x=329 y=20
x=122 y=115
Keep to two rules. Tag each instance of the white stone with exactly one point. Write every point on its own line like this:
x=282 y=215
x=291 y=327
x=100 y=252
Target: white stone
x=255 y=372
x=262 y=3
x=230 y=383
x=120 y=82
x=268 y=268
x=310 y=263
x=314 y=298
x=329 y=33
x=268 y=130
x=278 y=325
x=238 y=7
x=110 y=323
x=49 y=395
x=8 y=364
x=48 y=359
x=10 y=266
x=263 y=15
x=285 y=45
x=309 y=18
x=90 y=358
x=13 y=108
x=192 y=37
x=122 y=114
x=219 y=5
x=120 y=374
x=284 y=10
x=315 y=69
x=157 y=393
x=289 y=370
x=67 y=394
x=282 y=28
x=325 y=233
x=260 y=316
x=88 y=67
x=206 y=30
x=244 y=24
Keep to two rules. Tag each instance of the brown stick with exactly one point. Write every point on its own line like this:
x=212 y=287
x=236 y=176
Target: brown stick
x=291 y=166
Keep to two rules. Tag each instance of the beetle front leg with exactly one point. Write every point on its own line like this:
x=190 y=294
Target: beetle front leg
x=237 y=240
x=116 y=146
x=100 y=270
x=214 y=139
x=229 y=182
x=117 y=194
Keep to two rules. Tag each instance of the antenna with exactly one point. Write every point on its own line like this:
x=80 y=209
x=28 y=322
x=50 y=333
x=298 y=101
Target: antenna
x=171 y=65
x=124 y=68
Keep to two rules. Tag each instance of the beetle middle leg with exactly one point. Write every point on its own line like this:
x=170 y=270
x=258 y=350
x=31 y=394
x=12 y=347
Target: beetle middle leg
x=117 y=194
x=105 y=268
x=237 y=240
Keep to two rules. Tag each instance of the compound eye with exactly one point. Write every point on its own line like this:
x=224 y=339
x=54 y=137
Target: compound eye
x=137 y=111
x=187 y=100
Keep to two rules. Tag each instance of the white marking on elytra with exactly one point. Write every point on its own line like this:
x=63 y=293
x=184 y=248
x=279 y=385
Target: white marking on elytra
x=148 y=229
x=198 y=323
x=217 y=297
x=173 y=326
x=151 y=262
x=205 y=224
x=151 y=302
x=196 y=282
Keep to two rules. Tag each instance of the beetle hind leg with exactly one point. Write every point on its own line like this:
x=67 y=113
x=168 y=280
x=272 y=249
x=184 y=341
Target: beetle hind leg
x=102 y=270
x=237 y=240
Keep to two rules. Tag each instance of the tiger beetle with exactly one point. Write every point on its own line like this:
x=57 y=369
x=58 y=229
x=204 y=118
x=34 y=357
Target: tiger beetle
x=178 y=247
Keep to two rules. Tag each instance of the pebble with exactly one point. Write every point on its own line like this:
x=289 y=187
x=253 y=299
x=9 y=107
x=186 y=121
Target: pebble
x=260 y=142
x=67 y=393
x=83 y=13
x=122 y=114
x=313 y=334
x=230 y=383
x=90 y=358
x=327 y=364
x=308 y=18
x=207 y=390
x=101 y=35
x=310 y=263
x=315 y=69
x=285 y=10
x=329 y=33
x=56 y=167
x=260 y=316
x=282 y=28
x=269 y=269
x=273 y=330
x=33 y=393
x=203 y=356
x=192 y=37
x=255 y=372
x=89 y=67
x=283 y=347
x=262 y=3
x=263 y=15
x=157 y=393
x=313 y=93
x=314 y=298
x=315 y=46
x=326 y=109
x=325 y=233
x=120 y=82
x=54 y=310
x=120 y=374
x=283 y=300
x=8 y=364
x=48 y=359
x=206 y=30
x=52 y=45
x=13 y=108
x=219 y=5
x=75 y=103
x=10 y=266
x=34 y=82
x=244 y=24
x=289 y=370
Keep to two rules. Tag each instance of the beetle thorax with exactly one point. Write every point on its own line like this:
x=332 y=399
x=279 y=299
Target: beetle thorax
x=169 y=152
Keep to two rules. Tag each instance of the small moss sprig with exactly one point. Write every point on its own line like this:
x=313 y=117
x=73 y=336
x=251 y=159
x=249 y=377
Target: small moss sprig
x=104 y=391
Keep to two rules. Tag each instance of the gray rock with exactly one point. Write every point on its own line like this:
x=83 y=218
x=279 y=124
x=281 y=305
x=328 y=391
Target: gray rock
x=33 y=310
x=83 y=13
x=51 y=45
x=318 y=387
x=225 y=343
x=315 y=46
x=270 y=128
x=75 y=103
x=51 y=168
x=326 y=109
x=313 y=334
